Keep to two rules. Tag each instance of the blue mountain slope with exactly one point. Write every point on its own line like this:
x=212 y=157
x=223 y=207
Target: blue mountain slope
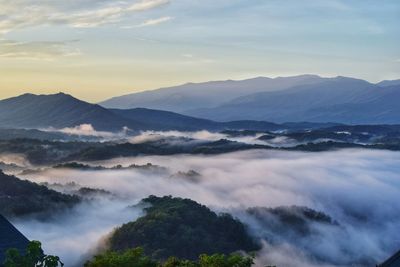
x=389 y=83
x=61 y=110
x=205 y=95
x=10 y=237
x=58 y=111
x=341 y=100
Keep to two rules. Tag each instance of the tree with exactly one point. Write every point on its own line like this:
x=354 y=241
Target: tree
x=175 y=262
x=136 y=258
x=182 y=228
x=220 y=260
x=130 y=258
x=33 y=257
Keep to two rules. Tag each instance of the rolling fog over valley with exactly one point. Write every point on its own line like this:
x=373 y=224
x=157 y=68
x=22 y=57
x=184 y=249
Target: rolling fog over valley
x=346 y=185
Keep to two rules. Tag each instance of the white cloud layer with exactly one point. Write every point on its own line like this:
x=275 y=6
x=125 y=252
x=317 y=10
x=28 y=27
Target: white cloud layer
x=360 y=189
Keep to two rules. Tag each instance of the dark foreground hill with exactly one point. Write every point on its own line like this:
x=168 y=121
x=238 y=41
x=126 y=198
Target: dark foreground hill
x=182 y=228
x=19 y=198
x=10 y=237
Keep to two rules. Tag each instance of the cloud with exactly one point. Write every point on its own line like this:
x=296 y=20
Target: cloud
x=204 y=135
x=150 y=22
x=89 y=130
x=80 y=14
x=147 y=136
x=82 y=229
x=359 y=189
x=193 y=59
x=17 y=159
x=36 y=50
x=147 y=4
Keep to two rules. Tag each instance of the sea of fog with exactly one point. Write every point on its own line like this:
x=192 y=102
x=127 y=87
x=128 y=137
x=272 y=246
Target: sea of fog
x=360 y=189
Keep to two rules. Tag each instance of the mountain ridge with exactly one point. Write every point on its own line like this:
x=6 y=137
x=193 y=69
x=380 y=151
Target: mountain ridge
x=283 y=99
x=58 y=111
x=55 y=110
x=340 y=100
x=309 y=98
x=209 y=94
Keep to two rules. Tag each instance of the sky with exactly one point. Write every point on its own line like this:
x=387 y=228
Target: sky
x=96 y=49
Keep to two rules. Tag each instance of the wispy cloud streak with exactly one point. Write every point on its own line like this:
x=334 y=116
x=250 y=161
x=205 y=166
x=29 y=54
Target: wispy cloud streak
x=150 y=22
x=28 y=13
x=36 y=50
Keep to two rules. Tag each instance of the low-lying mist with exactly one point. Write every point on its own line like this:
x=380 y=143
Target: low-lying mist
x=359 y=189
x=204 y=136
x=88 y=131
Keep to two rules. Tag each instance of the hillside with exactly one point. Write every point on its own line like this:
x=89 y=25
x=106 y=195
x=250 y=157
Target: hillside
x=165 y=120
x=182 y=228
x=62 y=111
x=58 y=111
x=386 y=83
x=341 y=100
x=304 y=98
x=10 y=237
x=19 y=198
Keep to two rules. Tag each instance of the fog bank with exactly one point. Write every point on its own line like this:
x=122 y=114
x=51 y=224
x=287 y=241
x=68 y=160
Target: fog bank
x=360 y=189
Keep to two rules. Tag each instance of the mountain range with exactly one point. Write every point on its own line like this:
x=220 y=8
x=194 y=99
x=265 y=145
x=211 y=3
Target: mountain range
x=205 y=95
x=285 y=99
x=254 y=104
x=61 y=111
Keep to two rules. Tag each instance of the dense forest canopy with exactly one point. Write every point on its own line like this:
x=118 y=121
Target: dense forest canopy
x=21 y=197
x=182 y=228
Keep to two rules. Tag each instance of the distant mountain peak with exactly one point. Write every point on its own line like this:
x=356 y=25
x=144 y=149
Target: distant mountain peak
x=58 y=110
x=386 y=83
x=299 y=76
x=345 y=78
x=30 y=95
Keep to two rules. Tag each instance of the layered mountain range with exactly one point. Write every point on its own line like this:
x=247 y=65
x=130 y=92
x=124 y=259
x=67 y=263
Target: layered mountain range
x=285 y=99
x=60 y=111
x=257 y=104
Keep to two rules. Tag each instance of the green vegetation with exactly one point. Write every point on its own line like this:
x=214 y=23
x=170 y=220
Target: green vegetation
x=136 y=258
x=325 y=146
x=86 y=167
x=163 y=147
x=182 y=228
x=33 y=257
x=290 y=222
x=19 y=197
x=129 y=258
